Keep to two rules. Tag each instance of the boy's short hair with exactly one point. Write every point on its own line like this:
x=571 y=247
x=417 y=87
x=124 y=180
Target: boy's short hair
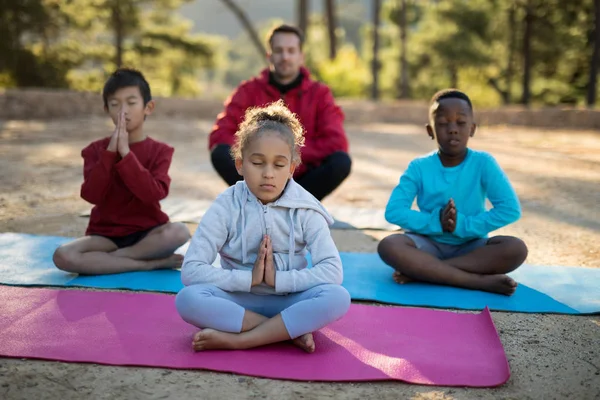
x=124 y=77
x=286 y=29
x=450 y=94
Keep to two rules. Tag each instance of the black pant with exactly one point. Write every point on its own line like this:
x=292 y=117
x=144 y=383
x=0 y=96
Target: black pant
x=319 y=181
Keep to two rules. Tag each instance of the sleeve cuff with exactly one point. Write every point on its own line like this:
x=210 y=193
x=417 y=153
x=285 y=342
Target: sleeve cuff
x=108 y=157
x=436 y=223
x=284 y=282
x=128 y=159
x=129 y=167
x=460 y=222
x=243 y=281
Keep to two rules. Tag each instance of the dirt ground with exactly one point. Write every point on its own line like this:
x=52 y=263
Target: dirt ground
x=556 y=174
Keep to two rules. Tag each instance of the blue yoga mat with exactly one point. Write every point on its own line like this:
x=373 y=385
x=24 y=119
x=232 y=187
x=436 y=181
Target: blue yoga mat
x=27 y=260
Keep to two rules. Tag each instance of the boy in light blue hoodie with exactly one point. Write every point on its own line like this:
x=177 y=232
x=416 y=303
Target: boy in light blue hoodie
x=262 y=227
x=446 y=240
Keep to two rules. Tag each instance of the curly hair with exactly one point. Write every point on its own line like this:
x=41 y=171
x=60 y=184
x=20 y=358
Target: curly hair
x=273 y=117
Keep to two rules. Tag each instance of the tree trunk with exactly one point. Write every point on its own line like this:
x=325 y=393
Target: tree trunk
x=331 y=26
x=245 y=21
x=525 y=99
x=119 y=29
x=375 y=60
x=404 y=89
x=591 y=94
x=506 y=97
x=302 y=7
x=453 y=71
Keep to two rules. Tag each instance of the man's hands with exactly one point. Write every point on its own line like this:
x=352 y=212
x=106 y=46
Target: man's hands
x=119 y=141
x=448 y=217
x=264 y=268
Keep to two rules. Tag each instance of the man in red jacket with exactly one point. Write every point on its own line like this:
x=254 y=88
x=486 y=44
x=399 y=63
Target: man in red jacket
x=325 y=159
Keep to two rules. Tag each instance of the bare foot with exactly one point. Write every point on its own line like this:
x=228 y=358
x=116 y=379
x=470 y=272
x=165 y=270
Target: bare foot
x=502 y=284
x=171 y=262
x=401 y=279
x=306 y=342
x=212 y=339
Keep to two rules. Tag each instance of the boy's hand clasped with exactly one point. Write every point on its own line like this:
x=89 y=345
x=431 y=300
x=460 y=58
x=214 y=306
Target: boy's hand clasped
x=448 y=217
x=264 y=268
x=119 y=141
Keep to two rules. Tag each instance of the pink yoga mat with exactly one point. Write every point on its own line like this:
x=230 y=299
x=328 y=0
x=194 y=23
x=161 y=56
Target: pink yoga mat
x=370 y=343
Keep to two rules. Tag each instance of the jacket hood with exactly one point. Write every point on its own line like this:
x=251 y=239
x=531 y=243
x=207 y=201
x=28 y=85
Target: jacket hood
x=294 y=197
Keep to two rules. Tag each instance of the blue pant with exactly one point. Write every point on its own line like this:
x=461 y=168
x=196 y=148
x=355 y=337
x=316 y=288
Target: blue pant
x=207 y=306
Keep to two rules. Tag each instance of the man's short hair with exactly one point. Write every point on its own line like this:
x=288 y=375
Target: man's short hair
x=286 y=29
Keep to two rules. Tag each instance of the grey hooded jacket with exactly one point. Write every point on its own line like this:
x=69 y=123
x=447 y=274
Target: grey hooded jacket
x=234 y=226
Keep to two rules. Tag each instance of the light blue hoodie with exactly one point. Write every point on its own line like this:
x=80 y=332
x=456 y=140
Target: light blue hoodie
x=234 y=226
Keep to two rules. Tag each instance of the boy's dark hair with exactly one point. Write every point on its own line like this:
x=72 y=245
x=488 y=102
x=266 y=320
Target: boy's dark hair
x=450 y=94
x=124 y=77
x=286 y=29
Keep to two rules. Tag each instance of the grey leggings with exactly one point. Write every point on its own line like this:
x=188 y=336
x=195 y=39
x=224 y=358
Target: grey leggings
x=207 y=306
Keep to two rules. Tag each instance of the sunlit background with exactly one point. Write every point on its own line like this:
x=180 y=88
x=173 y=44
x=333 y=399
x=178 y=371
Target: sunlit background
x=536 y=52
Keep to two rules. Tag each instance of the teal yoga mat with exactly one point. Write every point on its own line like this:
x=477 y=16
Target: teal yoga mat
x=26 y=260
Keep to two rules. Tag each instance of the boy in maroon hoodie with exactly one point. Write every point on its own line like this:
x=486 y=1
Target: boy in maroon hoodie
x=125 y=177
x=325 y=159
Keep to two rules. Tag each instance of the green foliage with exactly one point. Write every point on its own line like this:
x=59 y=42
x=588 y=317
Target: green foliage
x=467 y=43
x=473 y=44
x=347 y=75
x=72 y=43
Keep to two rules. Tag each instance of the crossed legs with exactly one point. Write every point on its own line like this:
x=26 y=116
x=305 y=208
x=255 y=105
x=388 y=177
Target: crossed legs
x=95 y=255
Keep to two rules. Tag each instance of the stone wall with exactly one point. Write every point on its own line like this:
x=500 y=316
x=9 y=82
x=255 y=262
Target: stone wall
x=55 y=104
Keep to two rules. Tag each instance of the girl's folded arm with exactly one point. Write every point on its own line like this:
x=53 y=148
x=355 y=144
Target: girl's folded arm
x=327 y=265
x=207 y=241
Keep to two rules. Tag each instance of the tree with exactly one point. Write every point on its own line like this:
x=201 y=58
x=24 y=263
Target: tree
x=526 y=49
x=404 y=89
x=505 y=31
x=375 y=60
x=302 y=11
x=26 y=29
x=75 y=43
x=245 y=21
x=399 y=16
x=330 y=13
x=595 y=59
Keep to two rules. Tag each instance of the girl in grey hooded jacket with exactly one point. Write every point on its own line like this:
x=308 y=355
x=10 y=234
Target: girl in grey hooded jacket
x=263 y=227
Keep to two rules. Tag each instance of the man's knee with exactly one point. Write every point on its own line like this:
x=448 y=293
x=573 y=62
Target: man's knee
x=223 y=163
x=341 y=163
x=220 y=154
x=220 y=157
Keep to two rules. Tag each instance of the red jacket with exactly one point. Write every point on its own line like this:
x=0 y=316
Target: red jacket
x=126 y=192
x=312 y=101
